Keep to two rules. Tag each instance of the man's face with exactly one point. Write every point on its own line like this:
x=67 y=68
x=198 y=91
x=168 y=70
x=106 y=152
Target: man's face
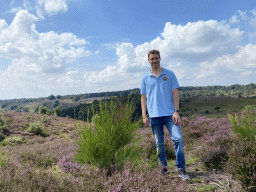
x=154 y=60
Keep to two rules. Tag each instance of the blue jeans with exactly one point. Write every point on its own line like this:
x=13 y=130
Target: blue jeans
x=156 y=125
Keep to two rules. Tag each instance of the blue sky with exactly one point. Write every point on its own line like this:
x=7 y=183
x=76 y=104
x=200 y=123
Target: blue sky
x=65 y=47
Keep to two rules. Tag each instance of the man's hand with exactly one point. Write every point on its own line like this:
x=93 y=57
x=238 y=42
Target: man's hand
x=176 y=118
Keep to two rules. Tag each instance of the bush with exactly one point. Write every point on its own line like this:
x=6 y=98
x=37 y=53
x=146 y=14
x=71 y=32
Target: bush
x=245 y=127
x=36 y=128
x=28 y=117
x=49 y=112
x=42 y=110
x=44 y=119
x=242 y=164
x=106 y=143
x=2 y=123
x=3 y=157
x=214 y=158
x=12 y=140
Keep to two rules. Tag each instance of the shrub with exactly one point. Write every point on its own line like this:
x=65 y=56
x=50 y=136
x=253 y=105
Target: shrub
x=12 y=140
x=214 y=158
x=57 y=111
x=242 y=164
x=44 y=119
x=113 y=131
x=95 y=118
x=42 y=110
x=49 y=112
x=3 y=157
x=36 y=128
x=244 y=127
x=2 y=123
x=28 y=117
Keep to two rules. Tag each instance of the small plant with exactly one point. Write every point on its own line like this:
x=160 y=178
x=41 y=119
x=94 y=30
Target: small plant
x=2 y=123
x=37 y=128
x=3 y=157
x=242 y=163
x=213 y=159
x=246 y=129
x=44 y=119
x=28 y=117
x=113 y=131
x=12 y=140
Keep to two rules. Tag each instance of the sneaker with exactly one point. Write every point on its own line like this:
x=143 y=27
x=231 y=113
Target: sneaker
x=164 y=171
x=183 y=174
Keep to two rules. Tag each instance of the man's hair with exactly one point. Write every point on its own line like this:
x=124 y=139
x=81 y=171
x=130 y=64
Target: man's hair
x=154 y=52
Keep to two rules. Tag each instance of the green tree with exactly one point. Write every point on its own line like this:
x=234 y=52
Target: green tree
x=42 y=110
x=51 y=97
x=56 y=103
x=57 y=111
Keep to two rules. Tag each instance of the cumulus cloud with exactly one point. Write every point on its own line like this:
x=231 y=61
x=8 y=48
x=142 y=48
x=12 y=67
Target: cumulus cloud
x=242 y=63
x=35 y=56
x=182 y=50
x=54 y=6
x=194 y=52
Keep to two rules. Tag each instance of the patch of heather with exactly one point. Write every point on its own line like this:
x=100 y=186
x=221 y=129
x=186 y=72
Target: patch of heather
x=48 y=163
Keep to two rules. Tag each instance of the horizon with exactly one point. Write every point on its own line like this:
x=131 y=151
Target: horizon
x=121 y=90
x=77 y=47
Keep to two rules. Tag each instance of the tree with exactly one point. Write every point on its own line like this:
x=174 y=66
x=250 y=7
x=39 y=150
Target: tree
x=57 y=111
x=51 y=97
x=42 y=110
x=56 y=104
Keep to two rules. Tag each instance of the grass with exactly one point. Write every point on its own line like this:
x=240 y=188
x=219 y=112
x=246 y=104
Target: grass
x=47 y=162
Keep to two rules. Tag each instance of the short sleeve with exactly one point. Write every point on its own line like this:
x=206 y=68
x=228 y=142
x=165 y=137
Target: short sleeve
x=143 y=86
x=175 y=83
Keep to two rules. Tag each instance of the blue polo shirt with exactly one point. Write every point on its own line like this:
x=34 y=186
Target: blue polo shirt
x=159 y=93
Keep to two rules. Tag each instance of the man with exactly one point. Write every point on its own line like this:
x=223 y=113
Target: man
x=160 y=95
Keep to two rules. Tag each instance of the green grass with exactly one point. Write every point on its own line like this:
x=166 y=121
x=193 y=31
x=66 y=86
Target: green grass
x=192 y=160
x=207 y=188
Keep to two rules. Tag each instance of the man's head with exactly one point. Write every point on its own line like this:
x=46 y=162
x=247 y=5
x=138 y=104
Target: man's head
x=154 y=52
x=154 y=59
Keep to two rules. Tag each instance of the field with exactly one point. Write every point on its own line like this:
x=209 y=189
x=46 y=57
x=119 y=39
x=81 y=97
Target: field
x=46 y=161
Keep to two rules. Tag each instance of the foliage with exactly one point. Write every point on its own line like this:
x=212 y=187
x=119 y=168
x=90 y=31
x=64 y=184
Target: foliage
x=242 y=163
x=42 y=110
x=214 y=158
x=51 y=97
x=49 y=112
x=106 y=144
x=3 y=124
x=245 y=127
x=27 y=117
x=44 y=119
x=12 y=140
x=3 y=157
x=36 y=128
x=57 y=111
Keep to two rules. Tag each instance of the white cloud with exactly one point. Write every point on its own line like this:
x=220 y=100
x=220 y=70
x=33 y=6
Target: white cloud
x=243 y=62
x=234 y=19
x=193 y=52
x=53 y=6
x=36 y=57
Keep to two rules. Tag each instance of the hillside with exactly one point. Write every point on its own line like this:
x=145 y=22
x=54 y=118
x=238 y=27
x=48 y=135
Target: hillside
x=46 y=161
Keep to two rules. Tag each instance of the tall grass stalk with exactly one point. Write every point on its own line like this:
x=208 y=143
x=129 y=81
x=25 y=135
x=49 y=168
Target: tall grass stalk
x=245 y=129
x=106 y=144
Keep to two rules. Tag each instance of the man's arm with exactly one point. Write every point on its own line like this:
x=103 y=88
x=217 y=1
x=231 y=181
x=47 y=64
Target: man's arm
x=143 y=105
x=176 y=98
